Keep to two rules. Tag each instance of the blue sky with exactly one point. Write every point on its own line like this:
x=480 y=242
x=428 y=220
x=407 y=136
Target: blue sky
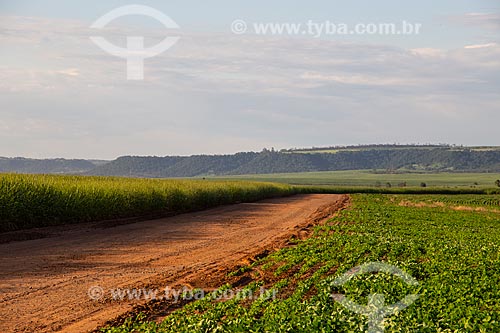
x=217 y=92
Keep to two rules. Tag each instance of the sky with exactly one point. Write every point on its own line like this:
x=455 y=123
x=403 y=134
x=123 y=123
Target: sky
x=218 y=91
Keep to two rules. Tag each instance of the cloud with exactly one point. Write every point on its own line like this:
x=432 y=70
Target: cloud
x=429 y=52
x=60 y=95
x=481 y=46
x=70 y=72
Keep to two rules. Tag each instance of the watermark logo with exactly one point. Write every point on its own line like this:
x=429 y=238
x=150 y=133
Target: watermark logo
x=239 y=27
x=135 y=52
x=326 y=28
x=97 y=293
x=375 y=310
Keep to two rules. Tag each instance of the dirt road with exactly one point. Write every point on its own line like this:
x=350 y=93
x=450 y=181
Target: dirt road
x=44 y=282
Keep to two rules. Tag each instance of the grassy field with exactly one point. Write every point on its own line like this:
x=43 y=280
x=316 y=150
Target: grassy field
x=370 y=178
x=29 y=201
x=449 y=244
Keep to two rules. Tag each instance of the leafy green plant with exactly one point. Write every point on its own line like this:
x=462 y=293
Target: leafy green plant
x=453 y=254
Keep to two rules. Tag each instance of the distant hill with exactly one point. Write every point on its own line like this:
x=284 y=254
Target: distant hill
x=53 y=166
x=390 y=158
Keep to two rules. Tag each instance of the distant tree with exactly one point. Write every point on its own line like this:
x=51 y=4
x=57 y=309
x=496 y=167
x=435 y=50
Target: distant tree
x=403 y=184
x=497 y=182
x=422 y=184
x=388 y=185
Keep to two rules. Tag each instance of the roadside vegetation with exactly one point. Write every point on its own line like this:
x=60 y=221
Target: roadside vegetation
x=28 y=201
x=454 y=254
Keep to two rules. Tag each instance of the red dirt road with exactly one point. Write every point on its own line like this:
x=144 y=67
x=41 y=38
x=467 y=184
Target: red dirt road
x=44 y=282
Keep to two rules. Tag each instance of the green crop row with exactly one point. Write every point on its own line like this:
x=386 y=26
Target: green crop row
x=467 y=200
x=396 y=190
x=28 y=201
x=454 y=255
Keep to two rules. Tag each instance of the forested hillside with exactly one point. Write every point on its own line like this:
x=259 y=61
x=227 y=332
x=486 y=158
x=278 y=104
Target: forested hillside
x=55 y=166
x=416 y=159
x=380 y=157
